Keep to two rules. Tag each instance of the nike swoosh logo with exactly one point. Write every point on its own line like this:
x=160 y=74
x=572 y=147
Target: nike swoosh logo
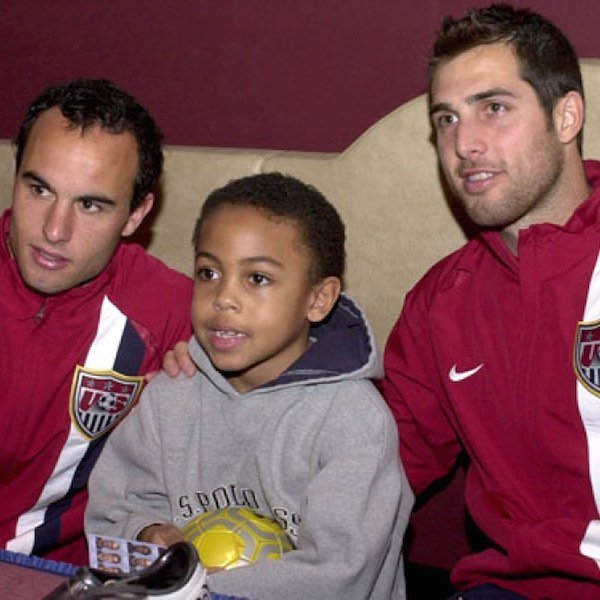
x=460 y=375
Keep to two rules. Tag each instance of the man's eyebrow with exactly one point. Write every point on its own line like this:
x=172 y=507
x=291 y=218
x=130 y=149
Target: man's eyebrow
x=473 y=99
x=491 y=93
x=96 y=198
x=35 y=177
x=439 y=107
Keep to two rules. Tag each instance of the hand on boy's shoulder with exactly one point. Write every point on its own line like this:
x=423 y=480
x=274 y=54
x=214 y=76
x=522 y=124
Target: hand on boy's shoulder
x=176 y=361
x=162 y=534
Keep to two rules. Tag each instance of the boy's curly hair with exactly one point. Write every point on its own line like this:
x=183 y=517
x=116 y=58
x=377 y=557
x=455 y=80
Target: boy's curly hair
x=285 y=197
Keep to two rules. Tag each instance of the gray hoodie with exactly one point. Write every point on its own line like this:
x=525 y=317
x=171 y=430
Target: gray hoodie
x=316 y=449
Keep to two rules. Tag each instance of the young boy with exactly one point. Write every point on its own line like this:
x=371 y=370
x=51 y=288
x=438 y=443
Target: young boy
x=281 y=415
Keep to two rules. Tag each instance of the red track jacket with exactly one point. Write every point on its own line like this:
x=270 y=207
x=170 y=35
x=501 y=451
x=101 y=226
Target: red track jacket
x=68 y=367
x=500 y=356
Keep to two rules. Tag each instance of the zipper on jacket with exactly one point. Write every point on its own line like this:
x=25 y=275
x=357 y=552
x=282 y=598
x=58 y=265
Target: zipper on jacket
x=40 y=313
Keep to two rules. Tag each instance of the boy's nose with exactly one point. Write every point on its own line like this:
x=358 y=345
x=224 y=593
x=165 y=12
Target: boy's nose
x=226 y=298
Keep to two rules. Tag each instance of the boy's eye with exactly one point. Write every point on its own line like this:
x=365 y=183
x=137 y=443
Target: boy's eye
x=259 y=279
x=206 y=274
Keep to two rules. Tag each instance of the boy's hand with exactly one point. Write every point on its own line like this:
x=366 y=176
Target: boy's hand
x=163 y=534
x=176 y=361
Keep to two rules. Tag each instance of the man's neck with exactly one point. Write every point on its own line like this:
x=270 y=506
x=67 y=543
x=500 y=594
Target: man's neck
x=571 y=190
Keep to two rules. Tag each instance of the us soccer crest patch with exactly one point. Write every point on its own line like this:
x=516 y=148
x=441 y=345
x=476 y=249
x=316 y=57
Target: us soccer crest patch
x=587 y=356
x=101 y=399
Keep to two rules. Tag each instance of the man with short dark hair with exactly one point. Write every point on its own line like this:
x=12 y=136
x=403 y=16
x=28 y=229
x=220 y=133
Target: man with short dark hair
x=496 y=352
x=82 y=316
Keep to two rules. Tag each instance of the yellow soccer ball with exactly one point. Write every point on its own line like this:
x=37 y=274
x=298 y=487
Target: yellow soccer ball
x=233 y=537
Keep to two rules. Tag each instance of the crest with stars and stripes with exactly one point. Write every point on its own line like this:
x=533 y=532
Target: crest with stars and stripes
x=587 y=355
x=101 y=399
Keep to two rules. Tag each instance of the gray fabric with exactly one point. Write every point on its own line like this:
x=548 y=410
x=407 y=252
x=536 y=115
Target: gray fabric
x=319 y=453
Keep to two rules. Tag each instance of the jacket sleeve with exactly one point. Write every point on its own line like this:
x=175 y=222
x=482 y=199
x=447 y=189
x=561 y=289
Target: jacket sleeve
x=354 y=514
x=413 y=390
x=160 y=298
x=125 y=484
x=173 y=315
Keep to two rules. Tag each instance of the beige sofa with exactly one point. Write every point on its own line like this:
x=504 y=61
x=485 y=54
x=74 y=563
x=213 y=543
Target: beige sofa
x=387 y=188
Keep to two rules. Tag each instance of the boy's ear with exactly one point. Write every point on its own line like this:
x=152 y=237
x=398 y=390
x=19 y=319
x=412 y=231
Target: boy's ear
x=324 y=296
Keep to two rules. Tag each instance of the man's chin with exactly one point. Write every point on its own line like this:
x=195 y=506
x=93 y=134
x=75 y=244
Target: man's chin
x=485 y=214
x=46 y=287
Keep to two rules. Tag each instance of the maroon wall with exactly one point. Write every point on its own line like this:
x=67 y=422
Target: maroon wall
x=289 y=74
